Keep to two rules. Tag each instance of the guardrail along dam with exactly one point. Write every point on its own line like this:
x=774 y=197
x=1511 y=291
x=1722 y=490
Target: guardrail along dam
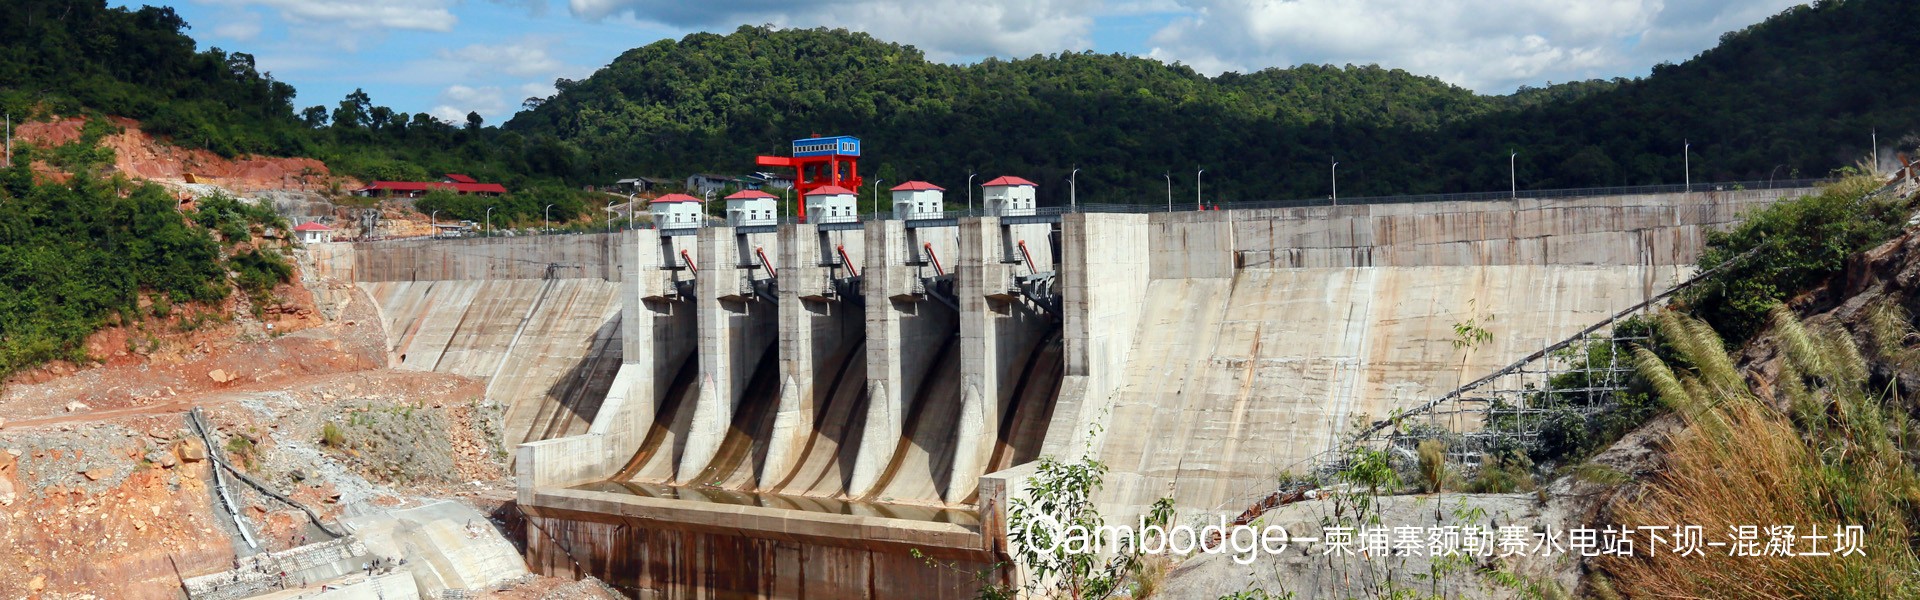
x=791 y=411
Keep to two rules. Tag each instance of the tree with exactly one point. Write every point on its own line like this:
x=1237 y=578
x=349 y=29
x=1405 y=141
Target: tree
x=352 y=112
x=314 y=117
x=474 y=121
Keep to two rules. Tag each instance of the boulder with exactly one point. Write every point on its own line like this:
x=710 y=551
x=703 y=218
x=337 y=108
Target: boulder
x=191 y=451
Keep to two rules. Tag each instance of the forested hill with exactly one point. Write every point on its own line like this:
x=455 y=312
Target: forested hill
x=1797 y=94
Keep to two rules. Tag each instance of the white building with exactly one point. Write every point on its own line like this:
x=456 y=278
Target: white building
x=748 y=208
x=313 y=233
x=832 y=204
x=676 y=211
x=1008 y=196
x=918 y=200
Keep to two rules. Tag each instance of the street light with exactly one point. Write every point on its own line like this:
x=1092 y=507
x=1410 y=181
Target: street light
x=1687 y=162
x=489 y=221
x=1196 y=189
x=970 y=192
x=1776 y=169
x=876 y=193
x=1073 y=190
x=1513 y=175
x=1169 y=176
x=610 y=212
x=549 y=213
x=1335 y=170
x=433 y=223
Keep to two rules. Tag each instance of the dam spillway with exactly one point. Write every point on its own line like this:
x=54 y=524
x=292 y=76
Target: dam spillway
x=776 y=413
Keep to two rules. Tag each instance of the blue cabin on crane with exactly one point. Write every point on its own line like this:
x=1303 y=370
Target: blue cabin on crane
x=843 y=145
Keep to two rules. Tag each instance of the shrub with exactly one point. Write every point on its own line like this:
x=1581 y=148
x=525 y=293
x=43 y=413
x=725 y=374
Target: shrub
x=1794 y=245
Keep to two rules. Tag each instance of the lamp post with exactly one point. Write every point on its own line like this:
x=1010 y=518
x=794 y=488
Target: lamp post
x=1513 y=175
x=1073 y=190
x=1196 y=189
x=1169 y=176
x=489 y=221
x=433 y=224
x=1876 y=149
x=549 y=213
x=610 y=215
x=1686 y=162
x=970 y=192
x=876 y=193
x=1776 y=169
x=1335 y=175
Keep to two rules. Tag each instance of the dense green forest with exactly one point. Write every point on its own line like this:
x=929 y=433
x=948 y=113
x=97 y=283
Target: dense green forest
x=79 y=256
x=1796 y=95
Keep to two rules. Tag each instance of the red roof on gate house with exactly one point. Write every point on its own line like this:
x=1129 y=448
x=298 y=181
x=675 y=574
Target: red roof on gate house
x=1008 y=181
x=917 y=186
x=831 y=190
x=672 y=198
x=427 y=186
x=312 y=226
x=750 y=195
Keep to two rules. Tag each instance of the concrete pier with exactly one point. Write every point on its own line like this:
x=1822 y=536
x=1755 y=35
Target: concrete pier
x=908 y=334
x=737 y=329
x=822 y=335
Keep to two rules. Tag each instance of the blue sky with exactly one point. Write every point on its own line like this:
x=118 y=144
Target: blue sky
x=448 y=57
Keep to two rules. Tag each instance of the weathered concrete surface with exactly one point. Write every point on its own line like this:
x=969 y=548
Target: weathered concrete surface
x=549 y=349
x=579 y=256
x=1645 y=229
x=713 y=548
x=1234 y=381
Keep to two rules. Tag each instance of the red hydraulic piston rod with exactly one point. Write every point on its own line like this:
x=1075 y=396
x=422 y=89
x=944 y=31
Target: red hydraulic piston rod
x=846 y=261
x=764 y=262
x=1029 y=256
x=935 y=259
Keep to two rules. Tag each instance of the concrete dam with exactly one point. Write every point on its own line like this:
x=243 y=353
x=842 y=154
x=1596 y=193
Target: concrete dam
x=793 y=411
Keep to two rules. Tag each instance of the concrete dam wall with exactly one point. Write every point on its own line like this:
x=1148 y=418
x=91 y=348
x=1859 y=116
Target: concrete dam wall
x=538 y=317
x=852 y=393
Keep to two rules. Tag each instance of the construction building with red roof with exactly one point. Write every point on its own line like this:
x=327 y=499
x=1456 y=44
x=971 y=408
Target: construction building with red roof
x=453 y=182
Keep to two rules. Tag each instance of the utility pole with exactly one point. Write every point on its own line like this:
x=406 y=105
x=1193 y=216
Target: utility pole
x=1196 y=189
x=1073 y=191
x=1169 y=176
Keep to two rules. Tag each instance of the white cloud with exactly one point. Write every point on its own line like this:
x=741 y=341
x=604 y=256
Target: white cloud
x=423 y=15
x=243 y=29
x=1488 y=45
x=457 y=100
x=946 y=30
x=523 y=59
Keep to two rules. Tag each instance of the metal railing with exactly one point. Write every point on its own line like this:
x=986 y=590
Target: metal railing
x=1052 y=213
